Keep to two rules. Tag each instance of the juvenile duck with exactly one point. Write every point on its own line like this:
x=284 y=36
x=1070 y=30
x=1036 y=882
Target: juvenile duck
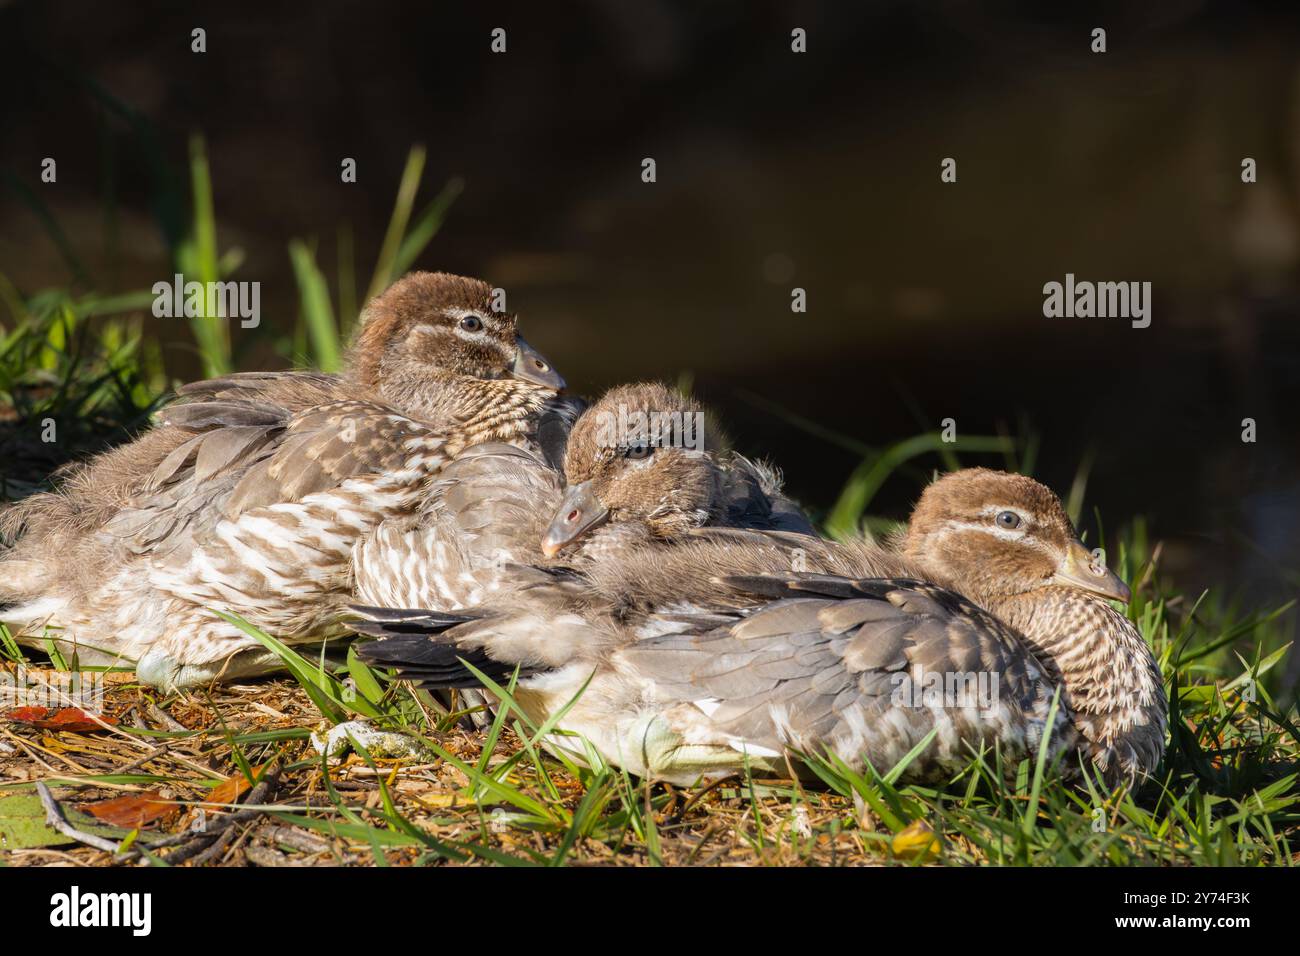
x=648 y=457
x=487 y=526
x=705 y=656
x=253 y=490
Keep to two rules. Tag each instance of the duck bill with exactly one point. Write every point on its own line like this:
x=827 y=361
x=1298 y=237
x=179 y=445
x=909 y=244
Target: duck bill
x=1081 y=570
x=531 y=366
x=579 y=513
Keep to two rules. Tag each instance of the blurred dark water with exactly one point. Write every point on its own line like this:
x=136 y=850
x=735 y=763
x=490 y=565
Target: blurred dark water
x=775 y=170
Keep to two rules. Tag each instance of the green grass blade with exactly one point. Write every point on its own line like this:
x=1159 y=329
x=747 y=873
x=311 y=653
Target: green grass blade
x=386 y=266
x=426 y=226
x=317 y=312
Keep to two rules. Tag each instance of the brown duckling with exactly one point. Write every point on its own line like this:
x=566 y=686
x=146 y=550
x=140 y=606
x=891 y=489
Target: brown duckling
x=646 y=455
x=253 y=490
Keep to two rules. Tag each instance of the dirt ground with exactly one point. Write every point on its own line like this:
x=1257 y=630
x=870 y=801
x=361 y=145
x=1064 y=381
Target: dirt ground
x=177 y=777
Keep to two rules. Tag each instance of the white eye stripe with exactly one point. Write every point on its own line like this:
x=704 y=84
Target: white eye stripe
x=1006 y=534
x=483 y=338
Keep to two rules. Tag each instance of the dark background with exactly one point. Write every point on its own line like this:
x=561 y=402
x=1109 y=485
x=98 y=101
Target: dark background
x=774 y=170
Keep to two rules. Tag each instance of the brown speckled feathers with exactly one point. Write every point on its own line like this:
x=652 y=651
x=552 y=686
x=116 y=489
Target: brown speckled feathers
x=711 y=651
x=251 y=492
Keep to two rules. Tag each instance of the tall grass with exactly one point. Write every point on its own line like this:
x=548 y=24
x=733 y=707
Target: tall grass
x=404 y=241
x=76 y=372
x=321 y=330
x=196 y=260
x=187 y=213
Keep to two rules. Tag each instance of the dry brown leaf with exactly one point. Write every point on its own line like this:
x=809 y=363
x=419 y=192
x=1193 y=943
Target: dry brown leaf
x=134 y=810
x=67 y=719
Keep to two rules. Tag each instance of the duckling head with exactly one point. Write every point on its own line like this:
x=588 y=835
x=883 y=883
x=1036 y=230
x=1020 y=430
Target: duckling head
x=432 y=330
x=995 y=535
x=642 y=453
x=1005 y=542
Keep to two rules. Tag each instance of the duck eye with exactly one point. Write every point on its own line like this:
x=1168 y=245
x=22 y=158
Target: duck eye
x=637 y=452
x=1008 y=519
x=471 y=323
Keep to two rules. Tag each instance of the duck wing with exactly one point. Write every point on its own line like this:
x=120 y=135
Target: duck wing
x=539 y=635
x=862 y=668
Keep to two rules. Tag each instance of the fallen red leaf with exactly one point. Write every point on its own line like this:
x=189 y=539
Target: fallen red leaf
x=134 y=810
x=28 y=715
x=69 y=718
